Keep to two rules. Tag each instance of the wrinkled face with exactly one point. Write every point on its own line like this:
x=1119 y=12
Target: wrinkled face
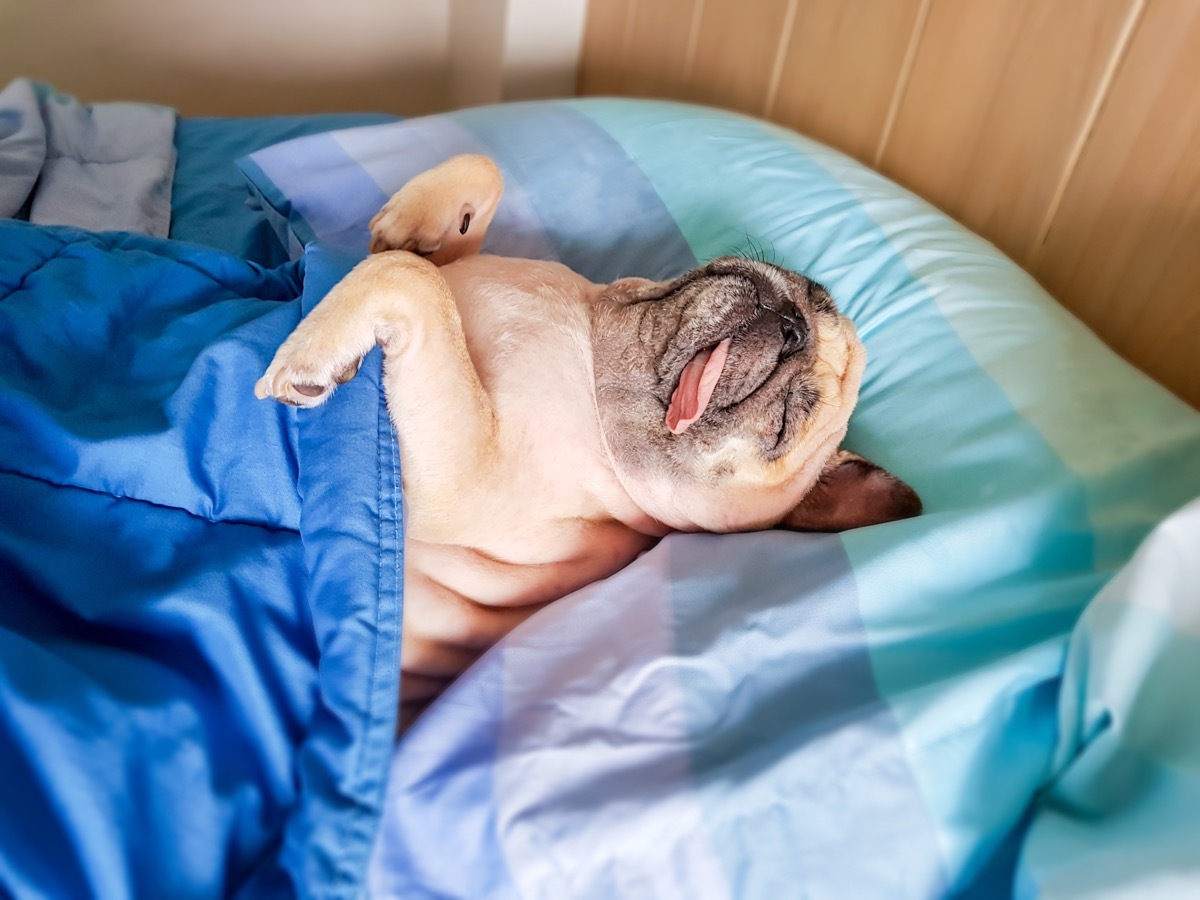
x=723 y=394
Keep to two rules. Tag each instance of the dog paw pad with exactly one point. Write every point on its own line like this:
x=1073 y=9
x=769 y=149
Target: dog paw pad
x=349 y=372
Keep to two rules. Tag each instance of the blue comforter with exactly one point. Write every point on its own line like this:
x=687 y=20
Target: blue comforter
x=199 y=612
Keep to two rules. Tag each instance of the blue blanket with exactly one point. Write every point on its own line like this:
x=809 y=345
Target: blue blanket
x=199 y=611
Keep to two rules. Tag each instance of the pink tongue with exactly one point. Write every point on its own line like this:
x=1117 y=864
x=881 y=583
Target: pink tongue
x=696 y=387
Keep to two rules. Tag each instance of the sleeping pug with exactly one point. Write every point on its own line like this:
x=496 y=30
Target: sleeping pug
x=552 y=429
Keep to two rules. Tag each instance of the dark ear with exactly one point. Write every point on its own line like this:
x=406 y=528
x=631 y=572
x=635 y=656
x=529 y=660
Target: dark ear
x=852 y=492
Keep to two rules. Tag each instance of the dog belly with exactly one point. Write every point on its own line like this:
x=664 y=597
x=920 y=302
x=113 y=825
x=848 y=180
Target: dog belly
x=458 y=602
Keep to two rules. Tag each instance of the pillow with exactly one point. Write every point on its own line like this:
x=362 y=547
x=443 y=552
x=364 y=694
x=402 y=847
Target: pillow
x=865 y=714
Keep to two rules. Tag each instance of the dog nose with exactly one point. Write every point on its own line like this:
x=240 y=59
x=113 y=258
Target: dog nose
x=795 y=331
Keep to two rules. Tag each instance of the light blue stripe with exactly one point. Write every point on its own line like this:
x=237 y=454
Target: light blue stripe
x=796 y=759
x=331 y=197
x=603 y=217
x=559 y=202
x=594 y=788
x=438 y=834
x=393 y=154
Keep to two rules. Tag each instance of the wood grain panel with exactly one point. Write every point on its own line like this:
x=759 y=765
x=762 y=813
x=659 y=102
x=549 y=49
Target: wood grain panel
x=1123 y=250
x=999 y=92
x=736 y=50
x=657 y=53
x=841 y=69
x=602 y=59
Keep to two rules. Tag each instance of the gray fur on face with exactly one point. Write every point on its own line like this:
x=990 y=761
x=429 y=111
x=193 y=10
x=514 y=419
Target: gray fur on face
x=645 y=333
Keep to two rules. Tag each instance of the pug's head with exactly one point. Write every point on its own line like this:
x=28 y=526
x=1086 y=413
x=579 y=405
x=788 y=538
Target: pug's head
x=723 y=398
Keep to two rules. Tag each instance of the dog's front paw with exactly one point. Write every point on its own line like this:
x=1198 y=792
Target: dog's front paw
x=441 y=214
x=305 y=373
x=398 y=227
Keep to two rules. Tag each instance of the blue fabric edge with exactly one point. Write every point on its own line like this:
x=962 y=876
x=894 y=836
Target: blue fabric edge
x=293 y=232
x=357 y=598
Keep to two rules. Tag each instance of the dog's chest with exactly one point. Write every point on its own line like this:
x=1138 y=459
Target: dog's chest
x=485 y=578
x=522 y=336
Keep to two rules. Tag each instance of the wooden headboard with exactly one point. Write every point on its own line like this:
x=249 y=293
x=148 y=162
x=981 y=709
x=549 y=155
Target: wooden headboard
x=1065 y=131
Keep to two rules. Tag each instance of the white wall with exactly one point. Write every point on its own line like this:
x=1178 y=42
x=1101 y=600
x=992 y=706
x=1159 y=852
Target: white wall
x=237 y=57
x=514 y=49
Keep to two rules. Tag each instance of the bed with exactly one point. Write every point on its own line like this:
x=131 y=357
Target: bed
x=203 y=593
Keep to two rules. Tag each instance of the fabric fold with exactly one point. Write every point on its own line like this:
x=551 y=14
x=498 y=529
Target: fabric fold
x=104 y=167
